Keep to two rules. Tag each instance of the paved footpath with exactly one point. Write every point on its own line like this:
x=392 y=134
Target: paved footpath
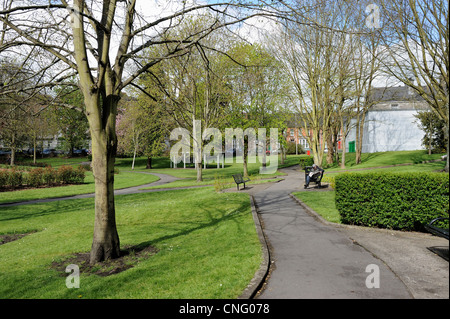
x=163 y=179
x=314 y=260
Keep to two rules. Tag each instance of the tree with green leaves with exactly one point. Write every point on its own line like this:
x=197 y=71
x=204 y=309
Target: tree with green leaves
x=102 y=43
x=416 y=37
x=191 y=89
x=435 y=138
x=258 y=94
x=142 y=128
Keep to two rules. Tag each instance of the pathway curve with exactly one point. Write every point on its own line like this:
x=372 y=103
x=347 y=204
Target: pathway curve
x=311 y=259
x=163 y=179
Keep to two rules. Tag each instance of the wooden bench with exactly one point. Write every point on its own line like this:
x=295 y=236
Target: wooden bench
x=316 y=178
x=238 y=179
x=441 y=232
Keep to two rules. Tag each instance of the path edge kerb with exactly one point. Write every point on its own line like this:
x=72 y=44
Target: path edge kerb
x=261 y=274
x=313 y=214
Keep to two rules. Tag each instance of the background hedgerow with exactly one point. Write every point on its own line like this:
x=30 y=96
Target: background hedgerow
x=48 y=176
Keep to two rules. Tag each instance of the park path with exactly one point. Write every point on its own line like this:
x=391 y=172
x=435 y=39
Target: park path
x=311 y=259
x=163 y=179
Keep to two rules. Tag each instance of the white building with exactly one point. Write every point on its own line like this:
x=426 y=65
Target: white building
x=390 y=124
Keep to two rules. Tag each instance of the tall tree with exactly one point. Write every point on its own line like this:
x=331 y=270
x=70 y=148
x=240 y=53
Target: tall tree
x=193 y=87
x=101 y=42
x=416 y=37
x=258 y=93
x=308 y=56
x=13 y=104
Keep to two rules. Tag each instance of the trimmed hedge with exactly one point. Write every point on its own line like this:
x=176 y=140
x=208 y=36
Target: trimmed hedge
x=13 y=178
x=306 y=161
x=403 y=201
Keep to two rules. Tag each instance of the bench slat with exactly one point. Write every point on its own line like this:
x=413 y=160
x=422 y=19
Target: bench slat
x=238 y=179
x=441 y=232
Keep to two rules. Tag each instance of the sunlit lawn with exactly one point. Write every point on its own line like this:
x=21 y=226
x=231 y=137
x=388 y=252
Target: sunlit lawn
x=208 y=247
x=121 y=180
x=210 y=174
x=129 y=178
x=385 y=159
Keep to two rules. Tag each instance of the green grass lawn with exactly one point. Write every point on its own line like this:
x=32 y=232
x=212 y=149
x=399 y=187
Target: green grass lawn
x=207 y=243
x=209 y=175
x=385 y=159
x=128 y=178
x=121 y=180
x=322 y=203
x=208 y=246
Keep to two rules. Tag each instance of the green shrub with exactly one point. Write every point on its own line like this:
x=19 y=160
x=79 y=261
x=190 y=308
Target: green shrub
x=78 y=175
x=405 y=201
x=219 y=183
x=34 y=177
x=68 y=175
x=291 y=148
x=306 y=161
x=329 y=179
x=64 y=174
x=15 y=178
x=4 y=176
x=11 y=178
x=49 y=176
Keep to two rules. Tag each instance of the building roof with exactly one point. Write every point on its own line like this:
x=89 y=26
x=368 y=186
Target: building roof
x=395 y=94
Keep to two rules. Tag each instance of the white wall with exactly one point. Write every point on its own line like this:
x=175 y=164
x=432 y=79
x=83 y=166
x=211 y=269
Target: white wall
x=391 y=131
x=394 y=130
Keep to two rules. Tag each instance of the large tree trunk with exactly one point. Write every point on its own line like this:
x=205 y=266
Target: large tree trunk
x=13 y=150
x=343 y=144
x=446 y=135
x=199 y=172
x=105 y=243
x=359 y=136
x=330 y=146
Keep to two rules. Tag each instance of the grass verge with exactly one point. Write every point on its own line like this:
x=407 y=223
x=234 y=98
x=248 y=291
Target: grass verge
x=206 y=242
x=323 y=203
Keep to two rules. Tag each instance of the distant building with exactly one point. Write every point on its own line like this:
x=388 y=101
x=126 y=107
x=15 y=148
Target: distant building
x=295 y=133
x=390 y=122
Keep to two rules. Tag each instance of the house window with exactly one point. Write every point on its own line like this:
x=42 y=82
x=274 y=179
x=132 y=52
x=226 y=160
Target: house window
x=394 y=106
x=304 y=143
x=292 y=132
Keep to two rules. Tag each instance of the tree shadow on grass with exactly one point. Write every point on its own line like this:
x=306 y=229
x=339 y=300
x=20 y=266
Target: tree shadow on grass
x=211 y=222
x=45 y=209
x=131 y=255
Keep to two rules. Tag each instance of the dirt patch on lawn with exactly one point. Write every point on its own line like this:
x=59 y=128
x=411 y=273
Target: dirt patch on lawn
x=130 y=256
x=12 y=237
